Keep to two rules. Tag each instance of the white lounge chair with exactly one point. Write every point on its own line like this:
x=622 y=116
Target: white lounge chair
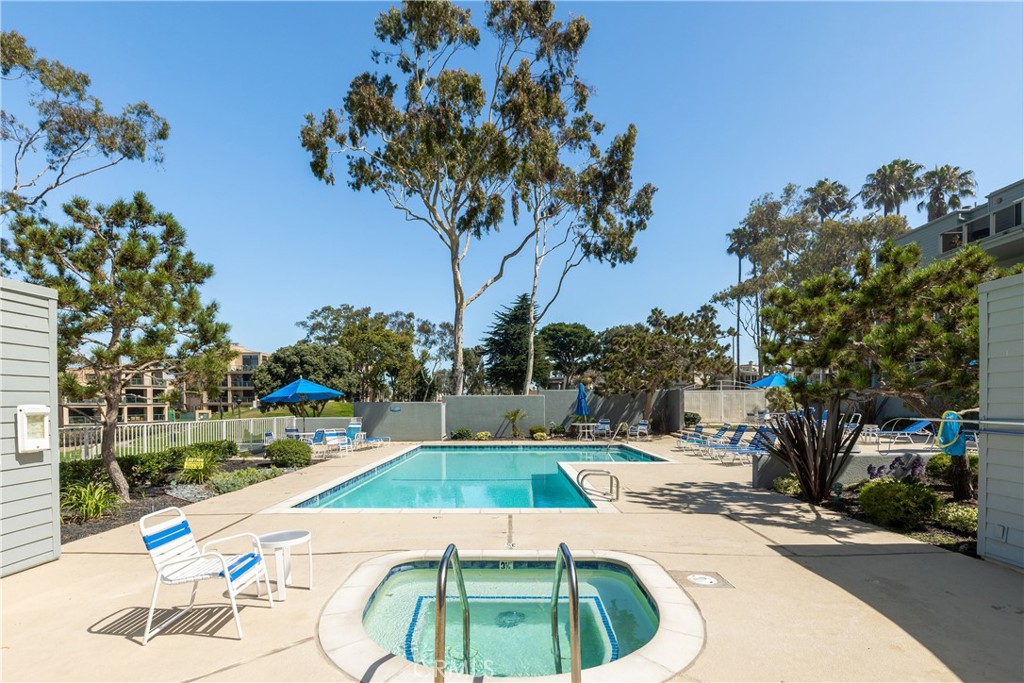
x=641 y=429
x=178 y=559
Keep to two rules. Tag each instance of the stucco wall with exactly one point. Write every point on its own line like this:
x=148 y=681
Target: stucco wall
x=29 y=482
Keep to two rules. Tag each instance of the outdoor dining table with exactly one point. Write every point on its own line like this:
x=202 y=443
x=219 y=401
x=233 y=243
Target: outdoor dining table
x=585 y=430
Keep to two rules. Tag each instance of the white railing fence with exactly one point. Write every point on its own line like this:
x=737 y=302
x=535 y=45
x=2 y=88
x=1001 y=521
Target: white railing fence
x=83 y=442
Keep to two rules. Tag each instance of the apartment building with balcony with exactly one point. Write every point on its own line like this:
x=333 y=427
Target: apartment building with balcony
x=995 y=226
x=142 y=401
x=236 y=390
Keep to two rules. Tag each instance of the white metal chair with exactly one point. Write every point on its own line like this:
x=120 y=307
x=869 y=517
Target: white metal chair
x=640 y=429
x=178 y=559
x=268 y=438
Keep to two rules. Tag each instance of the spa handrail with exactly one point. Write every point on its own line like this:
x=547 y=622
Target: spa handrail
x=450 y=556
x=563 y=560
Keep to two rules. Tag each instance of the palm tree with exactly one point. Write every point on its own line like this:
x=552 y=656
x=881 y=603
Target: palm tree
x=945 y=186
x=892 y=185
x=827 y=198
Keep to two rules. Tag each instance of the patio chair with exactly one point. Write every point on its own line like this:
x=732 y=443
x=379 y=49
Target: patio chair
x=377 y=441
x=907 y=434
x=268 y=438
x=640 y=429
x=604 y=428
x=291 y=432
x=733 y=441
x=178 y=559
x=686 y=439
x=852 y=422
x=758 y=445
x=696 y=442
x=318 y=443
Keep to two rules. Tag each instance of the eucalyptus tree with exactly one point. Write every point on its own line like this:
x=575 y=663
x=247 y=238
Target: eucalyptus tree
x=128 y=302
x=945 y=188
x=828 y=198
x=435 y=139
x=892 y=186
x=580 y=201
x=72 y=135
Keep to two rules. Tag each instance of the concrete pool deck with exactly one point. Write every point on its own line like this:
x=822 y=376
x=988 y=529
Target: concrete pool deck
x=810 y=595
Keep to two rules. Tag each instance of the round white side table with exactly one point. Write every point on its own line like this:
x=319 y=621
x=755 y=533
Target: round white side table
x=281 y=543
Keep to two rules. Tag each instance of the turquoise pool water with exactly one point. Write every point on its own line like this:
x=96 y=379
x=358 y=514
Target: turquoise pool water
x=473 y=477
x=510 y=616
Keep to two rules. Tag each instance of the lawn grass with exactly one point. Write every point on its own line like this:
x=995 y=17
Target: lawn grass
x=332 y=409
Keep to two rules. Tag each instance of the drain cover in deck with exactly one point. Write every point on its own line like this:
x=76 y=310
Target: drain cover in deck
x=700 y=579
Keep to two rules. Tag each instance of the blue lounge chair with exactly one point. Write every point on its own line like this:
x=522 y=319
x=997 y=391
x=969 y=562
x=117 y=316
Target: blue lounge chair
x=733 y=441
x=695 y=435
x=697 y=442
x=757 y=446
x=920 y=428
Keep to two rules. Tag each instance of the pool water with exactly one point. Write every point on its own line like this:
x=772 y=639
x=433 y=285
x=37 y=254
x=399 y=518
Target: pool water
x=473 y=477
x=510 y=616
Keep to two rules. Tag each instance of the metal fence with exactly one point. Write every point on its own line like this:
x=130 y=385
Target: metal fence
x=83 y=442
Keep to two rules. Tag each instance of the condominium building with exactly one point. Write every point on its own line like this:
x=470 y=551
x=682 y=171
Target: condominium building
x=142 y=401
x=236 y=390
x=995 y=226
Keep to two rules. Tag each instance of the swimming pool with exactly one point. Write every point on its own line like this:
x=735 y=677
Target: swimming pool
x=472 y=477
x=510 y=616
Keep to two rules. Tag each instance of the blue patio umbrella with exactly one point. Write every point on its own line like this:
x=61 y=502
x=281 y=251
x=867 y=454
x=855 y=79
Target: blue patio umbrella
x=776 y=379
x=300 y=391
x=581 y=401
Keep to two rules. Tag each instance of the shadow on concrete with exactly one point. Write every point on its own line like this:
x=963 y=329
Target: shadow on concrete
x=967 y=612
x=207 y=622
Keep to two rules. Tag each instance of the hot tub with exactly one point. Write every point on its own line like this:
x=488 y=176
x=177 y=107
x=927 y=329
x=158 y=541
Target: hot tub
x=635 y=621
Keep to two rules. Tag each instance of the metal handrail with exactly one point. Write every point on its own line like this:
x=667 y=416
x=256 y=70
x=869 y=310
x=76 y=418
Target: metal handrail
x=450 y=556
x=563 y=560
x=613 y=481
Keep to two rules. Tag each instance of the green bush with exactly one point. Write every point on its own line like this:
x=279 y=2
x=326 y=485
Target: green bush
x=896 y=504
x=787 y=486
x=938 y=466
x=224 y=449
x=557 y=429
x=81 y=472
x=963 y=519
x=85 y=502
x=462 y=434
x=225 y=482
x=691 y=419
x=204 y=464
x=482 y=436
x=538 y=429
x=540 y=436
x=289 y=453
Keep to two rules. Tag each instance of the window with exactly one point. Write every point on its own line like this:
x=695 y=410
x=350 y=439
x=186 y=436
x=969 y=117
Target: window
x=1016 y=213
x=977 y=229
x=1004 y=219
x=951 y=240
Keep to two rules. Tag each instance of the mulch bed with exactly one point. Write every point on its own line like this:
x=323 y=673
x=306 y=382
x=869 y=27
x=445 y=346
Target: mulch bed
x=849 y=504
x=152 y=499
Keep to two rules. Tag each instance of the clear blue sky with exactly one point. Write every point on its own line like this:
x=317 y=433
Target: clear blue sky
x=732 y=100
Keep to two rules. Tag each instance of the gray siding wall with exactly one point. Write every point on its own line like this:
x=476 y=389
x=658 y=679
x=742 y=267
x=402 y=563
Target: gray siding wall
x=484 y=413
x=403 y=421
x=1001 y=474
x=29 y=483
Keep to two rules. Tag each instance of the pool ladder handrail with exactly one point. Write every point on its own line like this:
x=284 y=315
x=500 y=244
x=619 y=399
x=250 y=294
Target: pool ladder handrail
x=615 y=434
x=450 y=556
x=564 y=561
x=613 y=482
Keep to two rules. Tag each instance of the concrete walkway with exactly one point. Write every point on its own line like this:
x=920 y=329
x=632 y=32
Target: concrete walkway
x=811 y=596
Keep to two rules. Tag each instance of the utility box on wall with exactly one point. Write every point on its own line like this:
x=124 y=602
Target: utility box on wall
x=29 y=457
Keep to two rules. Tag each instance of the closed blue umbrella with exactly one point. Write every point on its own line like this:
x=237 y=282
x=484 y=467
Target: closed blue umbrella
x=776 y=379
x=581 y=401
x=300 y=391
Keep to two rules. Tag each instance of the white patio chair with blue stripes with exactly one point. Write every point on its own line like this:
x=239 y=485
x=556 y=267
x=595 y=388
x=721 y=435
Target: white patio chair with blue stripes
x=178 y=559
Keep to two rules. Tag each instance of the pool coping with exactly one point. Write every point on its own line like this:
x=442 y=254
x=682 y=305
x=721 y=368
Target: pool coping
x=600 y=506
x=676 y=644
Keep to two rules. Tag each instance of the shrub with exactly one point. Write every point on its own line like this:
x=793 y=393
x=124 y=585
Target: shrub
x=538 y=429
x=938 y=466
x=963 y=519
x=224 y=449
x=557 y=429
x=225 y=482
x=85 y=502
x=81 y=472
x=513 y=417
x=691 y=419
x=779 y=399
x=482 y=436
x=199 y=466
x=896 y=504
x=289 y=453
x=462 y=434
x=540 y=436
x=787 y=486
